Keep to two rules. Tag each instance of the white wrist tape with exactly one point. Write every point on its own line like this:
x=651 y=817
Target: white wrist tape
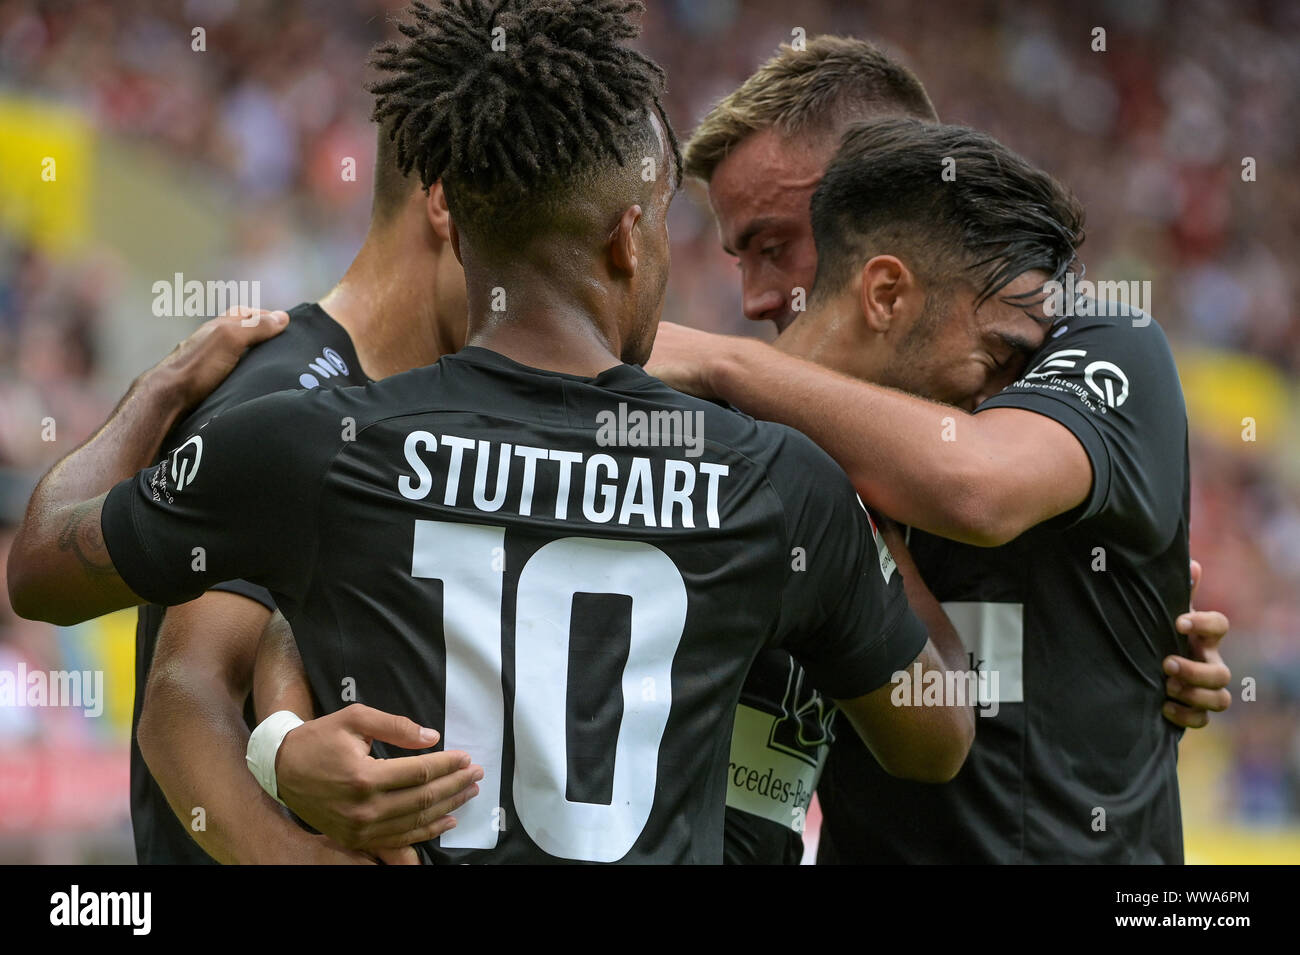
x=263 y=744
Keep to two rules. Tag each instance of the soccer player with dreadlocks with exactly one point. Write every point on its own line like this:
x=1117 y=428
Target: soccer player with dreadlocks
x=469 y=545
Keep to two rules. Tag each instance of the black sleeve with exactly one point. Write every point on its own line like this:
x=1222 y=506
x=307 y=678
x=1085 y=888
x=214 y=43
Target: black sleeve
x=251 y=591
x=268 y=367
x=844 y=615
x=1113 y=383
x=236 y=499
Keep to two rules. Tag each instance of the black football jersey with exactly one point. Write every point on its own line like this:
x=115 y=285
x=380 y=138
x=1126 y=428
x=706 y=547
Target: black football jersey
x=783 y=731
x=1068 y=626
x=312 y=351
x=781 y=738
x=544 y=568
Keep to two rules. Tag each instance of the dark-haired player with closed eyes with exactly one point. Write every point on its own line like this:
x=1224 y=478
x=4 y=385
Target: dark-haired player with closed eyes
x=931 y=285
x=454 y=539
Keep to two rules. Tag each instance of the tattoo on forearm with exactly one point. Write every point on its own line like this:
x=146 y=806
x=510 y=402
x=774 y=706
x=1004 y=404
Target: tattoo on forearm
x=83 y=537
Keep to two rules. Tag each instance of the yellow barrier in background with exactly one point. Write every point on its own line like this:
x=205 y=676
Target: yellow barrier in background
x=46 y=155
x=1238 y=399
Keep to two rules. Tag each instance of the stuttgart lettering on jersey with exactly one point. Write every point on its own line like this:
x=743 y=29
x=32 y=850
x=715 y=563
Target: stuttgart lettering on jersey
x=641 y=492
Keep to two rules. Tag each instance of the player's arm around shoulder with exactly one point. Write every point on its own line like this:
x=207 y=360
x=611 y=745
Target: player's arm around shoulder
x=1024 y=469
x=1096 y=422
x=981 y=480
x=60 y=569
x=235 y=500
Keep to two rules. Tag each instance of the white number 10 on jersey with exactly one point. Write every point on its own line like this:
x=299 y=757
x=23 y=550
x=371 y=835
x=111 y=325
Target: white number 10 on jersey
x=466 y=558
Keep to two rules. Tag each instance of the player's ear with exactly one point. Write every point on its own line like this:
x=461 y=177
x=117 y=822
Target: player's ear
x=622 y=242
x=436 y=209
x=884 y=285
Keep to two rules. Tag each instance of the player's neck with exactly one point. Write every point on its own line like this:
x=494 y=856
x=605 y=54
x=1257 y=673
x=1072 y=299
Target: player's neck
x=545 y=324
x=833 y=338
x=387 y=304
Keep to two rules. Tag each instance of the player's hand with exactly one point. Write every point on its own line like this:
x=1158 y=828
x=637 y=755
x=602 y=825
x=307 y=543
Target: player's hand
x=325 y=773
x=1198 y=686
x=313 y=849
x=324 y=851
x=679 y=355
x=201 y=362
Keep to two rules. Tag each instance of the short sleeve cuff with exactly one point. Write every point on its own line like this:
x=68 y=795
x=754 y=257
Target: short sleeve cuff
x=251 y=591
x=875 y=664
x=1062 y=411
x=128 y=550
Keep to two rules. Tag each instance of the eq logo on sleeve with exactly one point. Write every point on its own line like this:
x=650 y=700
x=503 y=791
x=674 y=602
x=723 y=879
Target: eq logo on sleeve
x=1109 y=382
x=1056 y=363
x=185 y=462
x=1106 y=379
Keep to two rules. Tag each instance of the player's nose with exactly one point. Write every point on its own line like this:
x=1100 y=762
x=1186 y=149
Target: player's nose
x=763 y=305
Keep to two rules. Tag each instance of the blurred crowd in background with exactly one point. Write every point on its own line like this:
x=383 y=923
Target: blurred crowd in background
x=1180 y=137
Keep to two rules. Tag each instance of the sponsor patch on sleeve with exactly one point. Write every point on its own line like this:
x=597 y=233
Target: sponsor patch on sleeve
x=887 y=562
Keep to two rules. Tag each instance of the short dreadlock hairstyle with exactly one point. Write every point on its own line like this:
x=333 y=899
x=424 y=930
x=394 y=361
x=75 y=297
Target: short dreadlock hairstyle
x=519 y=104
x=995 y=218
